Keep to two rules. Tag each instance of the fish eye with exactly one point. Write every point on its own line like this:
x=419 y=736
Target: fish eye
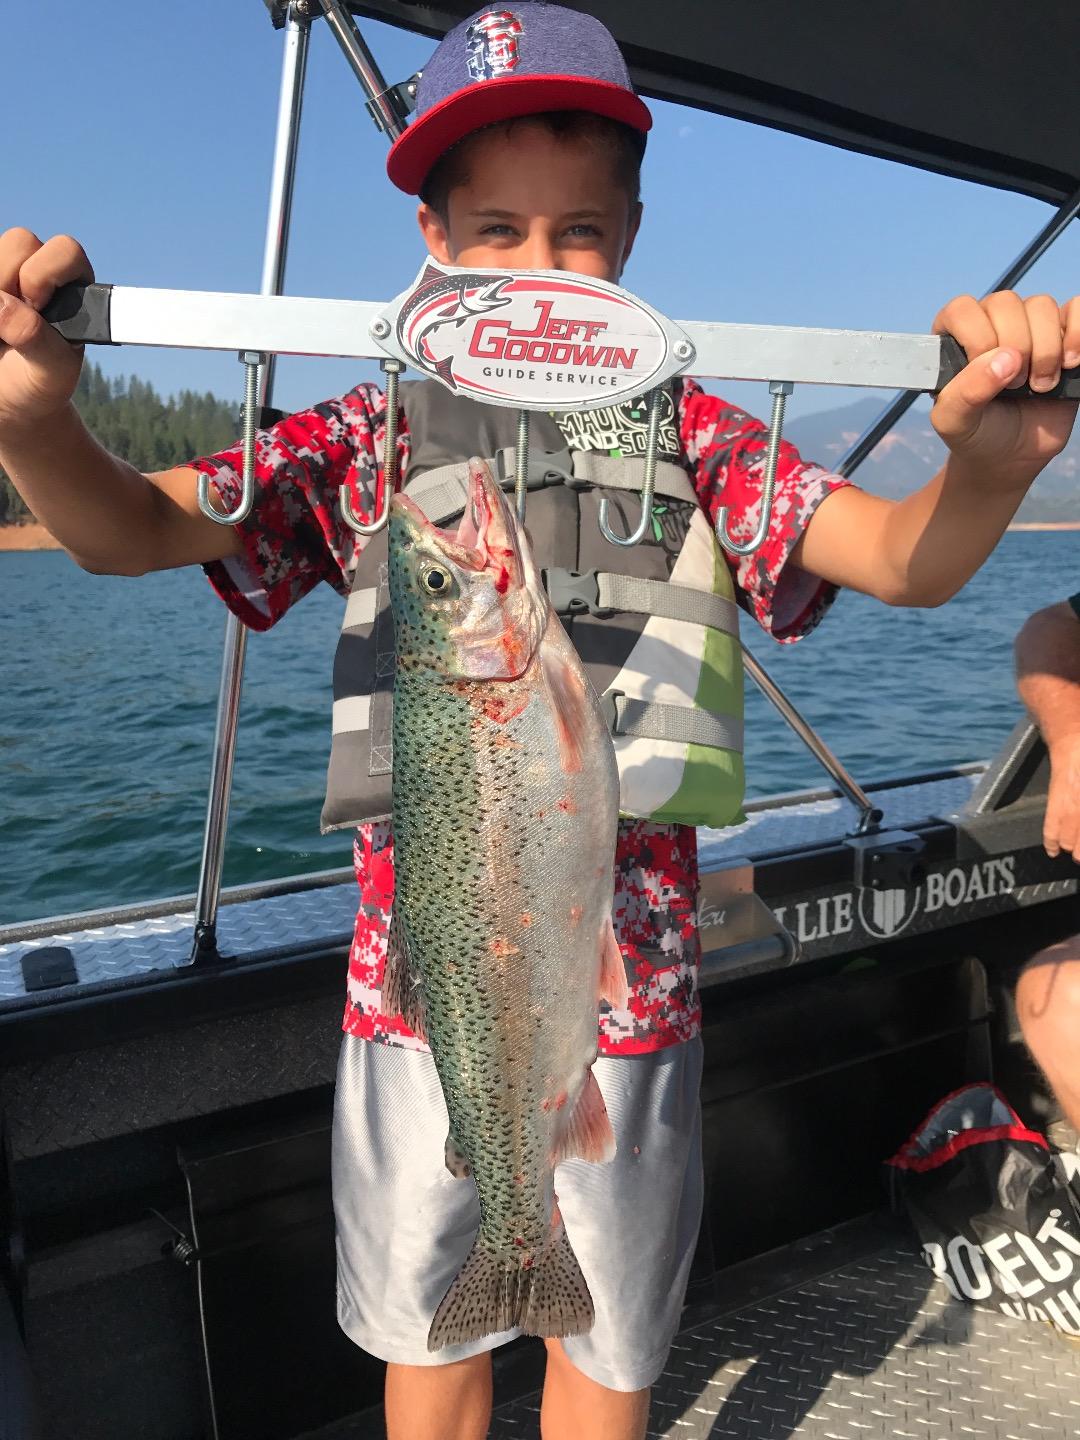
x=436 y=580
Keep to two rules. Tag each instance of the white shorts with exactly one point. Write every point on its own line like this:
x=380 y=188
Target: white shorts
x=405 y=1225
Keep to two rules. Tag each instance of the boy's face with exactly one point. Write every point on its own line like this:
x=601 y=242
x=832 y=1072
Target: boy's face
x=533 y=200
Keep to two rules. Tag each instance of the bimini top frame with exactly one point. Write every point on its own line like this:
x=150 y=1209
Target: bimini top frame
x=972 y=90
x=861 y=94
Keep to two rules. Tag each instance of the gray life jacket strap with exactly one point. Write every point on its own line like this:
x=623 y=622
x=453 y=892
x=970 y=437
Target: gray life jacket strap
x=444 y=491
x=614 y=472
x=645 y=720
x=600 y=592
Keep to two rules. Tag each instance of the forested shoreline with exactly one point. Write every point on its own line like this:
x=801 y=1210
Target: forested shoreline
x=132 y=420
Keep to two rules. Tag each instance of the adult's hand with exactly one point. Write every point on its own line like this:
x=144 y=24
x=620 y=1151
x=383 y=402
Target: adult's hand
x=1061 y=827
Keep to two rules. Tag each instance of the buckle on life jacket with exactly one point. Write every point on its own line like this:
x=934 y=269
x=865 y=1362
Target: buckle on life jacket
x=609 y=709
x=574 y=592
x=546 y=467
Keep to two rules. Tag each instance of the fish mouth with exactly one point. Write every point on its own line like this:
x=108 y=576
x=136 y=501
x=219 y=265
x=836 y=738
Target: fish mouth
x=487 y=536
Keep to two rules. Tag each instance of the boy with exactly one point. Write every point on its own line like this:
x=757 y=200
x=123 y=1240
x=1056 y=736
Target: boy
x=525 y=152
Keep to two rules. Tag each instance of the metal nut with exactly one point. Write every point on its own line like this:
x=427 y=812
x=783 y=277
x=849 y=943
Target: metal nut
x=380 y=329
x=683 y=350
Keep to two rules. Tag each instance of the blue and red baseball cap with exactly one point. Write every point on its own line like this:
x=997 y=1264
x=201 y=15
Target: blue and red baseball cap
x=504 y=62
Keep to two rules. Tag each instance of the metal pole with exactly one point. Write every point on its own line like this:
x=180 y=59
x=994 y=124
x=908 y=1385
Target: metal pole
x=902 y=402
x=283 y=175
x=868 y=814
x=362 y=63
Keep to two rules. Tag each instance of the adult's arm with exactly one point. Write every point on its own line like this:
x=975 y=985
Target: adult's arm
x=1048 y=679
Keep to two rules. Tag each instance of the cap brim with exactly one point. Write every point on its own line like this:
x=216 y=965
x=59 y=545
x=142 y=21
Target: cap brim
x=430 y=136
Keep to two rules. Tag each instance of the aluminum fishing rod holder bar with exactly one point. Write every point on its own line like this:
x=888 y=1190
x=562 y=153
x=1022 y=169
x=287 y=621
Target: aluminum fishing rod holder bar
x=528 y=339
x=590 y=367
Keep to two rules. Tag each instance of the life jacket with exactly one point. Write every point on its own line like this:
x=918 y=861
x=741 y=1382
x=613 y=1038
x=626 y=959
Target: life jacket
x=655 y=624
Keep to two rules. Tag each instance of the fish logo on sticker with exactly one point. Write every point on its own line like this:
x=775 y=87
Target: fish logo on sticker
x=536 y=339
x=491 y=44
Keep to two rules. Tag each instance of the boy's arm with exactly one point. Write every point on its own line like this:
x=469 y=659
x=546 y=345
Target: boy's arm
x=921 y=550
x=1048 y=679
x=106 y=514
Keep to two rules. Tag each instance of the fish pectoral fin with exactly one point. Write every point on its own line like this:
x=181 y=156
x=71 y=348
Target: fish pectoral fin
x=457 y=1162
x=401 y=991
x=613 y=986
x=570 y=702
x=588 y=1135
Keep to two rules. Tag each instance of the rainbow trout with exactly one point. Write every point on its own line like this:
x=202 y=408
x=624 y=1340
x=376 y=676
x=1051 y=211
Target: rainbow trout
x=505 y=808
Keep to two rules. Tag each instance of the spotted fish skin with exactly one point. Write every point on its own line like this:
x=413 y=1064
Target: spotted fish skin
x=505 y=808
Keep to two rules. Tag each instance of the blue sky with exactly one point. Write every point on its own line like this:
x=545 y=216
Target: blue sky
x=147 y=131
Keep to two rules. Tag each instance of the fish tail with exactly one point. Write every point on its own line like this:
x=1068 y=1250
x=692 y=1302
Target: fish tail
x=551 y=1298
x=556 y=1301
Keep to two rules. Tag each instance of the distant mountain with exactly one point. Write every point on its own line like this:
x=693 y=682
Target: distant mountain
x=911 y=453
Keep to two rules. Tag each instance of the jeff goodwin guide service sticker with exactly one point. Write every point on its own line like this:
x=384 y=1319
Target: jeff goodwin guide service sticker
x=532 y=339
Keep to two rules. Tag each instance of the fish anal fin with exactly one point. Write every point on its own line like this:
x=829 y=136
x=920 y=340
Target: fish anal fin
x=457 y=1162
x=588 y=1135
x=613 y=986
x=401 y=991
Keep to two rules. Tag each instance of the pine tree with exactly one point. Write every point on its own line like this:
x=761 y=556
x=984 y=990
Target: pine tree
x=130 y=418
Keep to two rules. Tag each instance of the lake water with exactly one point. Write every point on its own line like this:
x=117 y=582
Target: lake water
x=109 y=689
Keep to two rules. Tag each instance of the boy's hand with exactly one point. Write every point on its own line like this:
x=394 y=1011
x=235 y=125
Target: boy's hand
x=1006 y=340
x=39 y=369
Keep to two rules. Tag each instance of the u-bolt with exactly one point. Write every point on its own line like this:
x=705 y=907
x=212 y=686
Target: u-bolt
x=779 y=390
x=391 y=369
x=251 y=360
x=648 y=483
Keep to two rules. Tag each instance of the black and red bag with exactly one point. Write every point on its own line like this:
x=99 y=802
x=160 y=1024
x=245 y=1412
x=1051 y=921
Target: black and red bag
x=996 y=1208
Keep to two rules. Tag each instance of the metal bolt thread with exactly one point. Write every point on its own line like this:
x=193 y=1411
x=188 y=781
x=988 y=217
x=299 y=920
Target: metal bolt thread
x=393 y=369
x=776 y=427
x=521 y=464
x=652 y=446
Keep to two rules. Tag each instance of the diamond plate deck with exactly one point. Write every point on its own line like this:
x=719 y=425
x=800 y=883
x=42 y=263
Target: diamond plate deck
x=326 y=914
x=877 y=1350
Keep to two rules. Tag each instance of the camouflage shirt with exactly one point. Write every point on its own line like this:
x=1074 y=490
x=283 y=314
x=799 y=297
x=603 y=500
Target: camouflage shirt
x=295 y=538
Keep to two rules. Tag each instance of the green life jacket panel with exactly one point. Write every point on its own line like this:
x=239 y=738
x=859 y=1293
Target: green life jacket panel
x=656 y=624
